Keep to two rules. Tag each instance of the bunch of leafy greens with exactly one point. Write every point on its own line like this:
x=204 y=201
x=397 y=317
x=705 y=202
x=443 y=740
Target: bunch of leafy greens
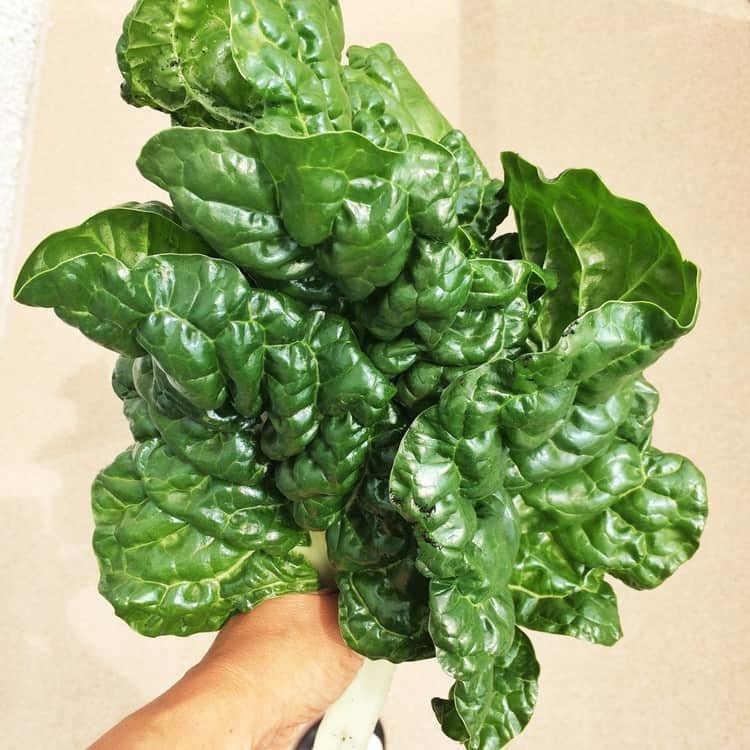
x=327 y=334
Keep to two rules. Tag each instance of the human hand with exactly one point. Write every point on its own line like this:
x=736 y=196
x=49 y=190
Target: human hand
x=289 y=656
x=268 y=674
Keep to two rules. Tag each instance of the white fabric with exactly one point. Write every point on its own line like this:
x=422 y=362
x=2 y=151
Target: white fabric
x=21 y=22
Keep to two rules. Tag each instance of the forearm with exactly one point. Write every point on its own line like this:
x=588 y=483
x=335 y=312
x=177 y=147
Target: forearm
x=206 y=710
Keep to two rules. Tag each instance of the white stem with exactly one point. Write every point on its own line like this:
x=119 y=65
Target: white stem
x=317 y=555
x=349 y=723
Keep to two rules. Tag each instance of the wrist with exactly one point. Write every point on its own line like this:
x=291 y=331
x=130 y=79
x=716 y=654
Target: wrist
x=230 y=715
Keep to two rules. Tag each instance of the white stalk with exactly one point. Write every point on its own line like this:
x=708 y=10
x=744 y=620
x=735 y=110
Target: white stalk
x=317 y=555
x=350 y=721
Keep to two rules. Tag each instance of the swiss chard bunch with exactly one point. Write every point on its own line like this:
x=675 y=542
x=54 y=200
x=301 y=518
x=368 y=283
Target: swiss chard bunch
x=329 y=344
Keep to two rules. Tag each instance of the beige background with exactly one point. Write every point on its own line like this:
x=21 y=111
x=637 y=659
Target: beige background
x=654 y=95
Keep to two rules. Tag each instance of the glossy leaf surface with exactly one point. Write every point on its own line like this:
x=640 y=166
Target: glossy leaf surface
x=169 y=575
x=600 y=246
x=332 y=344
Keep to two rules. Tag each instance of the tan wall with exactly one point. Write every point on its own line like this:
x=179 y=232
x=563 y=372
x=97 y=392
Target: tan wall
x=652 y=95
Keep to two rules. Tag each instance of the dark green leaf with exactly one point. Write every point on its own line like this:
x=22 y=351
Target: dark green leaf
x=81 y=271
x=289 y=52
x=600 y=246
x=291 y=389
x=469 y=629
x=589 y=615
x=365 y=536
x=220 y=187
x=134 y=407
x=583 y=493
x=246 y=517
x=670 y=511
x=640 y=421
x=461 y=414
x=481 y=206
x=173 y=55
x=497 y=705
x=319 y=479
x=129 y=232
x=384 y=612
x=165 y=576
x=545 y=569
x=432 y=290
x=387 y=101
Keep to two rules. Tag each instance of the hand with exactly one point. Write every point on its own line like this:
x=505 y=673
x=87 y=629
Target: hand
x=289 y=650
x=268 y=674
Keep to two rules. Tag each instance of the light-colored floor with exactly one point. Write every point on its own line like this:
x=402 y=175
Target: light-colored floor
x=651 y=94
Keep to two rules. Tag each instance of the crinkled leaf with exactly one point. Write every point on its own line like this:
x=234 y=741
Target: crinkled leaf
x=449 y=459
x=291 y=386
x=319 y=479
x=169 y=306
x=384 y=612
x=247 y=517
x=202 y=49
x=165 y=576
x=670 y=511
x=222 y=446
x=469 y=629
x=220 y=187
x=486 y=563
x=639 y=423
x=364 y=536
x=431 y=291
x=589 y=615
x=128 y=232
x=498 y=705
x=348 y=380
x=451 y=314
x=247 y=194
x=313 y=175
x=429 y=173
x=80 y=271
x=289 y=52
x=604 y=541
x=601 y=247
x=583 y=493
x=147 y=59
x=585 y=433
x=173 y=55
x=135 y=408
x=372 y=238
x=481 y=205
x=545 y=569
x=517 y=470
x=422 y=385
x=387 y=102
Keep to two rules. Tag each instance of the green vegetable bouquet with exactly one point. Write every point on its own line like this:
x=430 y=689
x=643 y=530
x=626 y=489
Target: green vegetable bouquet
x=334 y=363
